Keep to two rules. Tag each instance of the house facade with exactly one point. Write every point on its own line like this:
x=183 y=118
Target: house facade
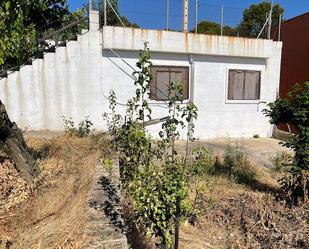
x=229 y=79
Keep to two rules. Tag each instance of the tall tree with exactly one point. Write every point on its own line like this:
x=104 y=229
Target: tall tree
x=16 y=40
x=255 y=16
x=46 y=14
x=21 y=21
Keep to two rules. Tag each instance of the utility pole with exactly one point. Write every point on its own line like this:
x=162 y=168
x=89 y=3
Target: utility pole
x=105 y=13
x=270 y=19
x=185 y=15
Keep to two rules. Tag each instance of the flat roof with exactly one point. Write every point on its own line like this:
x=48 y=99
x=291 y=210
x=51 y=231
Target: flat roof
x=188 y=43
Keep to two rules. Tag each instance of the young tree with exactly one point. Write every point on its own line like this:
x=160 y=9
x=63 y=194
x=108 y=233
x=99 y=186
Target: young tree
x=154 y=179
x=255 y=16
x=295 y=111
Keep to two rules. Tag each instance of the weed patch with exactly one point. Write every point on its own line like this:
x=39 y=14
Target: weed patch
x=83 y=129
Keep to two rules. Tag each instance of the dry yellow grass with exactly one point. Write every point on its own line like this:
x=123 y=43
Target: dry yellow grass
x=51 y=214
x=54 y=216
x=239 y=216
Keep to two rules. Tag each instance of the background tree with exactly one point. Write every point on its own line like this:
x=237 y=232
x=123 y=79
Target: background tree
x=47 y=14
x=17 y=40
x=255 y=16
x=22 y=21
x=212 y=28
x=112 y=18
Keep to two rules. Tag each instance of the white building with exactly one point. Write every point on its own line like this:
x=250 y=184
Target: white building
x=228 y=78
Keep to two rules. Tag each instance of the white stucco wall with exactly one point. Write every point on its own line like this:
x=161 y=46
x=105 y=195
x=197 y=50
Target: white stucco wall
x=63 y=83
x=75 y=81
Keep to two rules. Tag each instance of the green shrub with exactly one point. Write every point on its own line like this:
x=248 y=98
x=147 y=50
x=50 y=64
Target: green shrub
x=295 y=111
x=82 y=130
x=236 y=166
x=201 y=163
x=281 y=162
x=245 y=174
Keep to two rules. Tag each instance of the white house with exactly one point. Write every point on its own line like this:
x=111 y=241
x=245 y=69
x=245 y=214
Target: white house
x=229 y=79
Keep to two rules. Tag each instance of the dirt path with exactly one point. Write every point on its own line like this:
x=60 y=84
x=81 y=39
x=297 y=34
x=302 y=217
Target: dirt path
x=55 y=216
x=258 y=150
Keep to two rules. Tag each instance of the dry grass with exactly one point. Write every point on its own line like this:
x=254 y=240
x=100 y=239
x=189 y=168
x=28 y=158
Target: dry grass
x=242 y=216
x=51 y=213
x=53 y=216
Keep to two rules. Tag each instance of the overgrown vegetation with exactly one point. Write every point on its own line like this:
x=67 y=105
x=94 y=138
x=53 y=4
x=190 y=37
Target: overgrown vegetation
x=281 y=162
x=295 y=111
x=83 y=129
x=236 y=166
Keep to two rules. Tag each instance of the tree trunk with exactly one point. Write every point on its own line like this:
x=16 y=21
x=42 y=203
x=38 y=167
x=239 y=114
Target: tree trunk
x=177 y=218
x=13 y=144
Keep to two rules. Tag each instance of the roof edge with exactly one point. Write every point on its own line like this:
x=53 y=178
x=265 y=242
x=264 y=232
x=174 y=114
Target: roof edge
x=296 y=17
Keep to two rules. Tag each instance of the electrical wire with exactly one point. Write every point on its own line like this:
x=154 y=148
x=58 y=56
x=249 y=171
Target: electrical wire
x=116 y=13
x=133 y=71
x=122 y=104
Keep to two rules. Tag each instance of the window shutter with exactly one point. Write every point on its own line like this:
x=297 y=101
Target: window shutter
x=186 y=82
x=159 y=75
x=181 y=75
x=163 y=75
x=163 y=79
x=236 y=85
x=176 y=76
x=153 y=85
x=252 y=87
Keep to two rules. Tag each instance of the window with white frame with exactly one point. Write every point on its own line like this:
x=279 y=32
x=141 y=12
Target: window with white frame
x=244 y=85
x=163 y=75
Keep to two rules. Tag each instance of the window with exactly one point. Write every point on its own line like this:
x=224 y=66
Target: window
x=244 y=85
x=163 y=75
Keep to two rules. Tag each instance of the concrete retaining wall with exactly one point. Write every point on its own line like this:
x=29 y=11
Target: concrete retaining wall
x=105 y=228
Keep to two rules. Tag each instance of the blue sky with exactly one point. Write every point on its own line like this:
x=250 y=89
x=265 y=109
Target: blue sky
x=152 y=13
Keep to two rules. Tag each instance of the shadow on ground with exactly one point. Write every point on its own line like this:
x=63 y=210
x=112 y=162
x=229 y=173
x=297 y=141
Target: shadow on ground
x=111 y=204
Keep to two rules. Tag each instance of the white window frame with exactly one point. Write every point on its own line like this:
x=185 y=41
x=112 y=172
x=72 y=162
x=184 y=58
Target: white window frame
x=185 y=101
x=242 y=101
